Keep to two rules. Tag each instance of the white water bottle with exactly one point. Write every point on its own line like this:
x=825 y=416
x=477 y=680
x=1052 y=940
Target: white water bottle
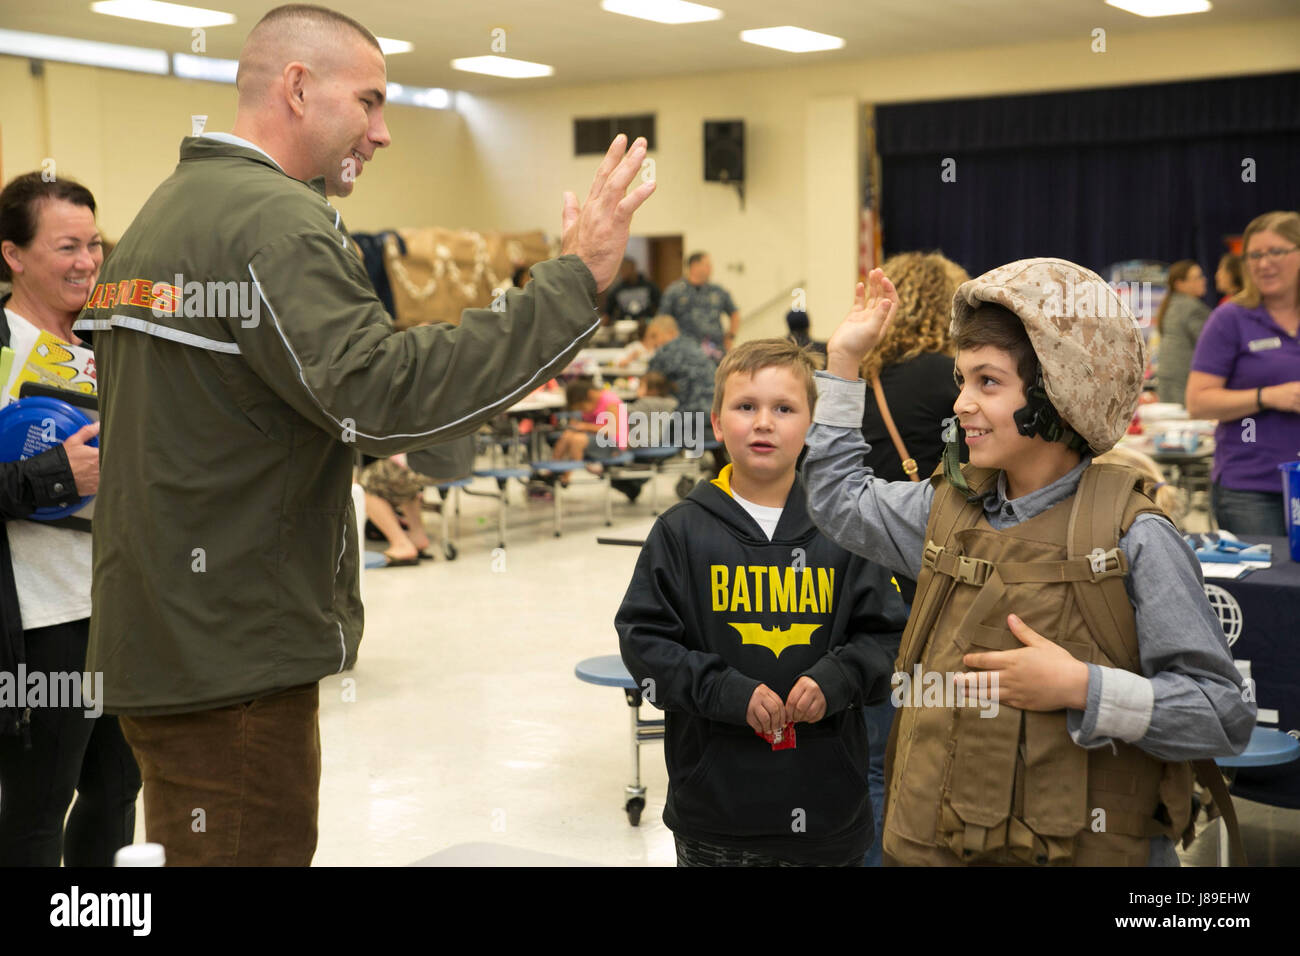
x=140 y=854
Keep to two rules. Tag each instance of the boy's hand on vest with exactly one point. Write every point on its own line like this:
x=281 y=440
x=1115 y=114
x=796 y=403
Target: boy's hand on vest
x=806 y=703
x=766 y=713
x=1041 y=675
x=874 y=305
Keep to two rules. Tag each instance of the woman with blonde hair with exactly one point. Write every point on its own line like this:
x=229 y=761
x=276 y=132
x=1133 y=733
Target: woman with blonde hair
x=1180 y=319
x=1172 y=501
x=1246 y=374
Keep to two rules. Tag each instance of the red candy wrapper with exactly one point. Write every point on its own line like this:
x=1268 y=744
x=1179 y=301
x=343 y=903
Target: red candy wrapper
x=783 y=739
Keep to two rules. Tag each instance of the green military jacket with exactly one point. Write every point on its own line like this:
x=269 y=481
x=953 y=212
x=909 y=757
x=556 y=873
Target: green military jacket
x=243 y=357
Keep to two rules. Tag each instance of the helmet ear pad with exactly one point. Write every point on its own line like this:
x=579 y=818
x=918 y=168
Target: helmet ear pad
x=1040 y=417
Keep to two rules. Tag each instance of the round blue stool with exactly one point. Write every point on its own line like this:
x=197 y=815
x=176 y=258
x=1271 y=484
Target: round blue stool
x=608 y=671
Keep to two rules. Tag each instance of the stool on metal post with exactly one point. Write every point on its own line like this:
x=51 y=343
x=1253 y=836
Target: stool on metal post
x=608 y=671
x=502 y=477
x=654 y=458
x=451 y=491
x=1267 y=748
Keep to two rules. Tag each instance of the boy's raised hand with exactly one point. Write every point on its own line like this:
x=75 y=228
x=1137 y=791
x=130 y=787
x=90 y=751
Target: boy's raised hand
x=1042 y=675
x=873 y=306
x=766 y=713
x=806 y=703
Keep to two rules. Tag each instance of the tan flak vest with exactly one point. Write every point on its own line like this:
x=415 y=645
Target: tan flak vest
x=1013 y=788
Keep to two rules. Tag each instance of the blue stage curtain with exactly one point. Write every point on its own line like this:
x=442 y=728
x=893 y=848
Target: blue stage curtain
x=1097 y=176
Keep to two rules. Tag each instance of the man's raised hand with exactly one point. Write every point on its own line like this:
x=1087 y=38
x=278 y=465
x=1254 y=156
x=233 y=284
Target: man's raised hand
x=597 y=231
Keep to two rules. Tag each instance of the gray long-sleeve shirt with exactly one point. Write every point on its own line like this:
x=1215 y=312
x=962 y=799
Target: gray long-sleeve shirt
x=1188 y=702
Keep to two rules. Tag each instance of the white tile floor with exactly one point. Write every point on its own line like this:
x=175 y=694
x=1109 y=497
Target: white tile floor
x=468 y=724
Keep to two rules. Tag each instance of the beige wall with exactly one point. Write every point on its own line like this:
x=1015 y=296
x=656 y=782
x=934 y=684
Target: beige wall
x=120 y=133
x=503 y=161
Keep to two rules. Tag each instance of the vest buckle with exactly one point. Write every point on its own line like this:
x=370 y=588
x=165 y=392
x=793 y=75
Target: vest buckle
x=972 y=571
x=1105 y=564
x=930 y=557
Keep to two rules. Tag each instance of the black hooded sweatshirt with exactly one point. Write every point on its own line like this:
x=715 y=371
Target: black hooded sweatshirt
x=713 y=610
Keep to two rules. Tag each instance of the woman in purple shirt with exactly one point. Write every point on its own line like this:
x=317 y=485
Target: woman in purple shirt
x=1246 y=374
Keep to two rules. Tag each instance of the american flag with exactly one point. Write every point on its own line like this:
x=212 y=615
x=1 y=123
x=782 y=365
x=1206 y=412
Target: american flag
x=869 y=238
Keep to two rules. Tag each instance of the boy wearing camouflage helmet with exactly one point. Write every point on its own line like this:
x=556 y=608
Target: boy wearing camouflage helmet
x=1058 y=582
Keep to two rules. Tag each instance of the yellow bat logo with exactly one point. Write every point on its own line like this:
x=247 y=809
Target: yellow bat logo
x=776 y=639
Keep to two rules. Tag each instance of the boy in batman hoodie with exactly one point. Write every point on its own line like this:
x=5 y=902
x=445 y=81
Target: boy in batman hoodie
x=754 y=632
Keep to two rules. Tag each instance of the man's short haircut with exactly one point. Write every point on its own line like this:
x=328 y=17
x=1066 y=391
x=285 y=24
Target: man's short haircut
x=293 y=17
x=759 y=354
x=995 y=325
x=694 y=257
x=664 y=323
x=317 y=16
x=20 y=204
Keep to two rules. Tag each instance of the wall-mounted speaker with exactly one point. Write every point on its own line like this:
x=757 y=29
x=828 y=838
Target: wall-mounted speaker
x=724 y=151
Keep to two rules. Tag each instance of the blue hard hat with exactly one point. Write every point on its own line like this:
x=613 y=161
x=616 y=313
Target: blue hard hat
x=34 y=425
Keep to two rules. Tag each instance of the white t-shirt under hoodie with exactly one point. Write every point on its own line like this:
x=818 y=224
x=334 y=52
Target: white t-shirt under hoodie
x=766 y=516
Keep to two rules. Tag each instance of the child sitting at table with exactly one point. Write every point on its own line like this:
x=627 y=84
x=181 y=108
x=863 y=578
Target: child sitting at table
x=599 y=433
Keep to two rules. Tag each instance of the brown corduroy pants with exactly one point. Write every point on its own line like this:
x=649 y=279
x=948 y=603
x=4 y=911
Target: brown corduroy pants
x=234 y=786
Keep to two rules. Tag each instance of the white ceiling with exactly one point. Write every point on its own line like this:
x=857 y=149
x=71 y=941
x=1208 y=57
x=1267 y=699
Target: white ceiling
x=587 y=45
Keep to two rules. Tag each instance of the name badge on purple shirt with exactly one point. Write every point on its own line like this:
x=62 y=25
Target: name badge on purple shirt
x=1263 y=345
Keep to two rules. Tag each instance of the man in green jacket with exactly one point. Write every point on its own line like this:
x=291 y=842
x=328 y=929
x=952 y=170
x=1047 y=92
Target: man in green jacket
x=243 y=357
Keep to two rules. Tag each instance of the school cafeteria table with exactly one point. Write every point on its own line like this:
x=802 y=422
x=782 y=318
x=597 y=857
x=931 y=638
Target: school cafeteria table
x=1269 y=601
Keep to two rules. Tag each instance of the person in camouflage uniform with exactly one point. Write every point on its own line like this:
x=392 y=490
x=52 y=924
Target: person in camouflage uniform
x=697 y=305
x=681 y=360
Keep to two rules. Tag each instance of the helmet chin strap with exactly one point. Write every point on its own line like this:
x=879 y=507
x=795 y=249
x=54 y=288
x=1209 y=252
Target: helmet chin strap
x=1040 y=417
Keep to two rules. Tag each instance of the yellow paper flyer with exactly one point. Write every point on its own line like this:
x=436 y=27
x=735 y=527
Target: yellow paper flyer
x=54 y=362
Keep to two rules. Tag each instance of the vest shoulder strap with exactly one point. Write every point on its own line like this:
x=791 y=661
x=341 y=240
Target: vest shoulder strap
x=952 y=510
x=1101 y=512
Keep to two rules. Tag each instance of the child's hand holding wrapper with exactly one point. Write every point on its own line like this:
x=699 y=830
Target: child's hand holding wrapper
x=774 y=721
